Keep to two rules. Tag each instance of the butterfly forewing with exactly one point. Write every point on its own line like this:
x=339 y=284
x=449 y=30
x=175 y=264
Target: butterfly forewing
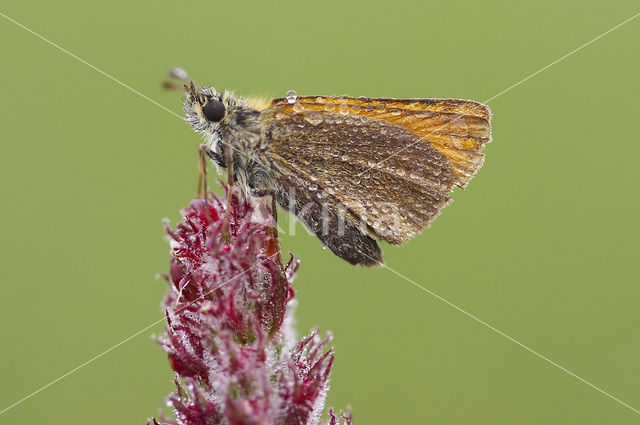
x=457 y=128
x=392 y=163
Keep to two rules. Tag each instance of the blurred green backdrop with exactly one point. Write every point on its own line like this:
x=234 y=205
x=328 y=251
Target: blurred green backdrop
x=543 y=244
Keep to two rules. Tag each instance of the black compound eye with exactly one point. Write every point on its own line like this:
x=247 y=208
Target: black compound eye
x=213 y=110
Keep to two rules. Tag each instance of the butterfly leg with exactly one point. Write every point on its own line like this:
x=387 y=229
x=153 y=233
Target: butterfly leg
x=221 y=160
x=202 y=171
x=228 y=159
x=260 y=193
x=215 y=157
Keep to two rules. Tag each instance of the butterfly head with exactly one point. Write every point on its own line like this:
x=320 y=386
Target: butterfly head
x=206 y=109
x=210 y=114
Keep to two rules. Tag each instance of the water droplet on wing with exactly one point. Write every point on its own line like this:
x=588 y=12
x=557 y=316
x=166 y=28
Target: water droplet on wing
x=314 y=118
x=291 y=96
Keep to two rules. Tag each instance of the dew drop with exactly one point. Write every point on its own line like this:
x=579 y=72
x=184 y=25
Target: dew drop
x=339 y=120
x=368 y=203
x=313 y=187
x=335 y=154
x=291 y=96
x=344 y=109
x=366 y=175
x=371 y=163
x=297 y=107
x=178 y=73
x=400 y=172
x=319 y=99
x=313 y=178
x=395 y=111
x=380 y=107
x=345 y=157
x=324 y=247
x=314 y=118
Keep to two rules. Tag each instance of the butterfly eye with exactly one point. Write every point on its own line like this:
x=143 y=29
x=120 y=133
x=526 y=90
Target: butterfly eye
x=214 y=110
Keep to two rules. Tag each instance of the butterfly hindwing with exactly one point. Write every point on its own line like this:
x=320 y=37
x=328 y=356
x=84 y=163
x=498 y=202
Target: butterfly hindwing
x=328 y=219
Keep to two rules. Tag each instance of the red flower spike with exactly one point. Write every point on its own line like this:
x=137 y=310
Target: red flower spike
x=228 y=336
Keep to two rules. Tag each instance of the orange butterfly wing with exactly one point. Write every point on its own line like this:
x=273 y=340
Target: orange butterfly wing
x=459 y=129
x=391 y=162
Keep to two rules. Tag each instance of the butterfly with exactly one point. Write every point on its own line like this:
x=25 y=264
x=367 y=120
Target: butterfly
x=354 y=171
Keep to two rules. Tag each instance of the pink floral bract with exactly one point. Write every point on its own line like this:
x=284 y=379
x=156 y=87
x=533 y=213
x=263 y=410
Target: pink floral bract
x=229 y=336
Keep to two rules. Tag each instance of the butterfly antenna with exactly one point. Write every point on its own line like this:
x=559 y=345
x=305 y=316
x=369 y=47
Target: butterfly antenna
x=177 y=74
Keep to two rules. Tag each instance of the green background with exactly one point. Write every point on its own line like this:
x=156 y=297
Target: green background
x=543 y=244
